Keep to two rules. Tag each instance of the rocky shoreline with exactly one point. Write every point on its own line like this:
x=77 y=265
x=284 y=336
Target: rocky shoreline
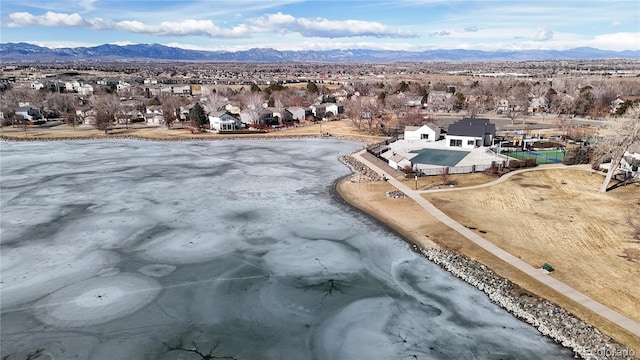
x=361 y=172
x=549 y=319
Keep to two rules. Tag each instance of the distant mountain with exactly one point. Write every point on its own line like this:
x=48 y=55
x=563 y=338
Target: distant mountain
x=10 y=52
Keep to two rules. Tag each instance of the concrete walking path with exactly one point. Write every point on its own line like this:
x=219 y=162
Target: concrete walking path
x=536 y=273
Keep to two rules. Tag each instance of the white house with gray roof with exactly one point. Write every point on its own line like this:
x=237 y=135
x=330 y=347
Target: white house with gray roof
x=224 y=121
x=470 y=133
x=427 y=132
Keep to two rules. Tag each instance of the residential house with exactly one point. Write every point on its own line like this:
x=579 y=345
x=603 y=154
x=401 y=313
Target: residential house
x=32 y=115
x=176 y=89
x=538 y=104
x=630 y=165
x=621 y=99
x=324 y=110
x=399 y=162
x=129 y=116
x=85 y=90
x=6 y=83
x=224 y=121
x=427 y=132
x=123 y=87
x=503 y=106
x=71 y=86
x=154 y=115
x=414 y=101
x=151 y=91
x=269 y=116
x=184 y=112
x=37 y=85
x=340 y=95
x=439 y=101
x=86 y=115
x=470 y=133
x=293 y=114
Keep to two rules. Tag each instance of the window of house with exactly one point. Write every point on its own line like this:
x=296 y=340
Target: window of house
x=455 y=142
x=424 y=136
x=471 y=142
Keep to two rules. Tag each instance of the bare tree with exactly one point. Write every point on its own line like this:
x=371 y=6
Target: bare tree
x=370 y=112
x=252 y=104
x=354 y=112
x=107 y=104
x=170 y=110
x=519 y=98
x=102 y=120
x=623 y=135
x=8 y=107
x=64 y=105
x=395 y=103
x=413 y=117
x=214 y=103
x=444 y=176
x=23 y=123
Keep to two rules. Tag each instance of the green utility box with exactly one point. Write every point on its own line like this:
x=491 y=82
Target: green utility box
x=547 y=267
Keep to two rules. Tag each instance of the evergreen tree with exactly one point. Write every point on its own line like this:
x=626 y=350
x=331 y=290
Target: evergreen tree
x=198 y=116
x=312 y=88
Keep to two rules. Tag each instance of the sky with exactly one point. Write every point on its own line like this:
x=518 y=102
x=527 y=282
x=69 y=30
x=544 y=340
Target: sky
x=412 y=25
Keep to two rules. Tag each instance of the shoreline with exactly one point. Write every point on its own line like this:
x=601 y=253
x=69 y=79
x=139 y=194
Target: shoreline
x=6 y=138
x=549 y=318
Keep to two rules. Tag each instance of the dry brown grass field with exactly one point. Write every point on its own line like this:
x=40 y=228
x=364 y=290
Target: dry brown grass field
x=559 y=217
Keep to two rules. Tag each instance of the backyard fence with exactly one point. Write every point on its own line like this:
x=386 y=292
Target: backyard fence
x=458 y=169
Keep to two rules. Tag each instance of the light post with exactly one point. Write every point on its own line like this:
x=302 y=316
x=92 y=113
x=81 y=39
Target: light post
x=416 y=178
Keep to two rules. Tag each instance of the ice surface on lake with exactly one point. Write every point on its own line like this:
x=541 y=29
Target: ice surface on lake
x=121 y=249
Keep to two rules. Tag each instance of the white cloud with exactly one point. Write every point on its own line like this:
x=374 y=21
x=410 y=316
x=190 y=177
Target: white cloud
x=271 y=23
x=543 y=34
x=320 y=27
x=182 y=28
x=618 y=41
x=615 y=24
x=49 y=19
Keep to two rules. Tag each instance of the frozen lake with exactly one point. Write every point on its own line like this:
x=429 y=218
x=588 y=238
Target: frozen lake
x=139 y=250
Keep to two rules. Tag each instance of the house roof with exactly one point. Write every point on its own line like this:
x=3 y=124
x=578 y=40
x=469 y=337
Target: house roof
x=472 y=127
x=433 y=126
x=430 y=125
x=217 y=113
x=397 y=158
